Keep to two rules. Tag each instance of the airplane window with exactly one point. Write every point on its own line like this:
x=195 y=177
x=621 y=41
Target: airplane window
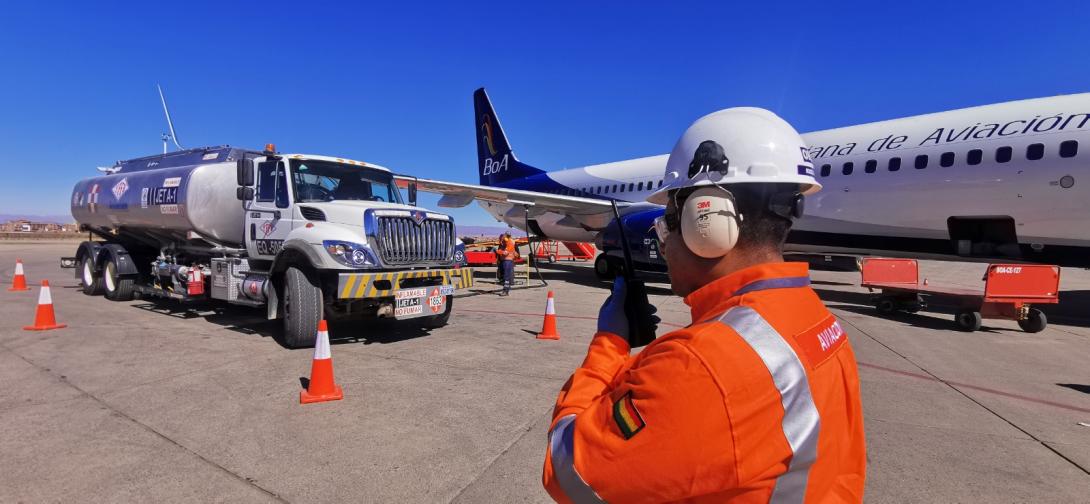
x=974 y=156
x=631 y=187
x=660 y=183
x=847 y=168
x=622 y=188
x=921 y=161
x=872 y=164
x=650 y=184
x=894 y=163
x=1003 y=154
x=946 y=160
x=1069 y=148
x=1035 y=151
x=640 y=187
x=614 y=187
x=825 y=170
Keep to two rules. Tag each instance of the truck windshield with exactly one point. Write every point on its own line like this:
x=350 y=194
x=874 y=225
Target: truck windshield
x=316 y=181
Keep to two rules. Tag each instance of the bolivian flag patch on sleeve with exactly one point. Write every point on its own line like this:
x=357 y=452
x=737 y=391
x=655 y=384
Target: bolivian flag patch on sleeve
x=627 y=416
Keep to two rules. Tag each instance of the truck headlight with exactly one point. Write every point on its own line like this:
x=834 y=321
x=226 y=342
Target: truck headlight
x=350 y=254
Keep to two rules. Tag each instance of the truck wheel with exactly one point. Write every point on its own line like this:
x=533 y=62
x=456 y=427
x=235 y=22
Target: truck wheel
x=118 y=288
x=1035 y=322
x=552 y=258
x=886 y=306
x=968 y=320
x=302 y=309
x=92 y=284
x=441 y=319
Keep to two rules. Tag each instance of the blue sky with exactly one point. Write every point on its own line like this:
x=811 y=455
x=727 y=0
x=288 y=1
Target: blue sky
x=574 y=83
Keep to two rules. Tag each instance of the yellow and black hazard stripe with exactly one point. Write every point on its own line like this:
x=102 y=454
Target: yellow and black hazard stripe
x=368 y=285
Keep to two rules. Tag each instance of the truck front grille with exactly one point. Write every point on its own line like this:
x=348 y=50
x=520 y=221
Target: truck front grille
x=402 y=241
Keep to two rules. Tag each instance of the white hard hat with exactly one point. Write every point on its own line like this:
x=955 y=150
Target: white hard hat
x=738 y=145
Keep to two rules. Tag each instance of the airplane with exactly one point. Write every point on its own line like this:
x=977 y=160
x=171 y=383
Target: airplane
x=988 y=183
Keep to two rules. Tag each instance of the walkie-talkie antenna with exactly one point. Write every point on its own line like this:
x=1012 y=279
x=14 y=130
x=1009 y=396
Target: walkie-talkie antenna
x=170 y=124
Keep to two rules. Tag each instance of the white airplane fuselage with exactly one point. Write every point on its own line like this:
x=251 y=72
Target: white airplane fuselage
x=1042 y=187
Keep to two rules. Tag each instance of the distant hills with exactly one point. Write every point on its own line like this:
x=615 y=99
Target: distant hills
x=487 y=231
x=56 y=219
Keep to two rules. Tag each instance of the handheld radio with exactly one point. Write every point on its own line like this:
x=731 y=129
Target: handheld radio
x=641 y=320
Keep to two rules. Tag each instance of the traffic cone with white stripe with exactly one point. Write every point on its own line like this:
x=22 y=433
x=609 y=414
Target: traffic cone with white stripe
x=548 y=327
x=45 y=320
x=321 y=386
x=18 y=282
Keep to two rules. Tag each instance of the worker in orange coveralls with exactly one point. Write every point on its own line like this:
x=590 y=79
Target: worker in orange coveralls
x=757 y=400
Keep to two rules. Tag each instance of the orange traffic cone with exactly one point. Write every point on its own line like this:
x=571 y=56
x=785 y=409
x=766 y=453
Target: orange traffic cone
x=44 y=320
x=18 y=282
x=548 y=328
x=321 y=386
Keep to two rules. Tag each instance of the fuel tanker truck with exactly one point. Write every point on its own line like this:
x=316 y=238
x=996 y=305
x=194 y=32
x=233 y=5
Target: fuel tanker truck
x=303 y=236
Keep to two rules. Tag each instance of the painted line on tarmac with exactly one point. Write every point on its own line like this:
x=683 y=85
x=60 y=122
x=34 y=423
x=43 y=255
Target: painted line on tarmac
x=976 y=387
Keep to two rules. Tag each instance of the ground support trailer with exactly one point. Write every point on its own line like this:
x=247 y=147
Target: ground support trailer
x=1010 y=291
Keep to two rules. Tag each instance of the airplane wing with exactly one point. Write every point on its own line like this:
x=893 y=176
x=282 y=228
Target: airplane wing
x=456 y=195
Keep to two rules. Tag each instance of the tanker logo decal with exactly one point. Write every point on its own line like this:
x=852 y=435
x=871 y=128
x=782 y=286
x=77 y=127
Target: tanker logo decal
x=144 y=197
x=92 y=199
x=486 y=133
x=267 y=228
x=120 y=188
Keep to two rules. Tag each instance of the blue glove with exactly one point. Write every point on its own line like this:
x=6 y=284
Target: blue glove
x=611 y=317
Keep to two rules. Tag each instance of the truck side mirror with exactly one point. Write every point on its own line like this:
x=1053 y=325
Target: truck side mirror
x=245 y=168
x=244 y=193
x=412 y=193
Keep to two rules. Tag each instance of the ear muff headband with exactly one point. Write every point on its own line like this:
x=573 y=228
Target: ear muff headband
x=709 y=222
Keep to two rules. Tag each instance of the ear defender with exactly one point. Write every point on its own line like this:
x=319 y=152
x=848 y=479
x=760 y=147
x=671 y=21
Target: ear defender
x=709 y=222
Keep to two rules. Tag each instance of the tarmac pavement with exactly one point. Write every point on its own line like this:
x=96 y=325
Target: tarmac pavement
x=154 y=401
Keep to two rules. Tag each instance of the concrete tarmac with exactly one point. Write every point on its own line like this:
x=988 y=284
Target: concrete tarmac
x=152 y=401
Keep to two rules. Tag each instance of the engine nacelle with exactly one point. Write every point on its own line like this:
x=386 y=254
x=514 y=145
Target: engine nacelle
x=639 y=229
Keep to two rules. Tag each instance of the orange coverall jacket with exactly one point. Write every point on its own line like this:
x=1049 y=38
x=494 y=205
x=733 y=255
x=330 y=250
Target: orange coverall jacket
x=756 y=401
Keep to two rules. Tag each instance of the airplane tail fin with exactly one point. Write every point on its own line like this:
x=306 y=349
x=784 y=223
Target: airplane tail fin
x=496 y=162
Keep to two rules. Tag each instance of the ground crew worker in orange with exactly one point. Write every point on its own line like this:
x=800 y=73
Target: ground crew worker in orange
x=506 y=253
x=757 y=400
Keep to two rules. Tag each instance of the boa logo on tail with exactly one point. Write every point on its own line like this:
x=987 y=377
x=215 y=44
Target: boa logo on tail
x=486 y=133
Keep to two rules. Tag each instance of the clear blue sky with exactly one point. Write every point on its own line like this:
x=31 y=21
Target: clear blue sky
x=574 y=83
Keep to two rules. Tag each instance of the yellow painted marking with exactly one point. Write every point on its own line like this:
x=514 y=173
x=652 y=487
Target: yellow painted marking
x=346 y=292
x=365 y=280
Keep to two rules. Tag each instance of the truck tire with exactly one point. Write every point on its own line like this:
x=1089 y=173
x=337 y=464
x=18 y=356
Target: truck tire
x=118 y=288
x=441 y=319
x=92 y=283
x=302 y=309
x=1035 y=322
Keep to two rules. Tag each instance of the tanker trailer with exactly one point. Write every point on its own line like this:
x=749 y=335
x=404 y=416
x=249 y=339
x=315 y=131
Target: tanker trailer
x=306 y=237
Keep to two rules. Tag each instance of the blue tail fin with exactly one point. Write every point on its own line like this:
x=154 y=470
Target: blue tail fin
x=496 y=162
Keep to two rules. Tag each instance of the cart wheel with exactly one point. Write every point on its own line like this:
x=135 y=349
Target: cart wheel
x=968 y=320
x=552 y=258
x=1035 y=322
x=886 y=306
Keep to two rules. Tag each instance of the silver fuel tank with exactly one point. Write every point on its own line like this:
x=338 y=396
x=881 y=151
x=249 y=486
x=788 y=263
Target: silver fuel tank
x=165 y=202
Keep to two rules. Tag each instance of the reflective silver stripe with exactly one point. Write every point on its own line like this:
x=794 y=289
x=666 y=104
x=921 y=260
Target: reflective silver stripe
x=801 y=422
x=561 y=446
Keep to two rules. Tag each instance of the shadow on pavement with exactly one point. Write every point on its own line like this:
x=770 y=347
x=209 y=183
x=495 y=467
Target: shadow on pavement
x=252 y=321
x=1085 y=389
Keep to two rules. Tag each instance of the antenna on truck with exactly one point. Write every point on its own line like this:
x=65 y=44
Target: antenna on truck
x=173 y=136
